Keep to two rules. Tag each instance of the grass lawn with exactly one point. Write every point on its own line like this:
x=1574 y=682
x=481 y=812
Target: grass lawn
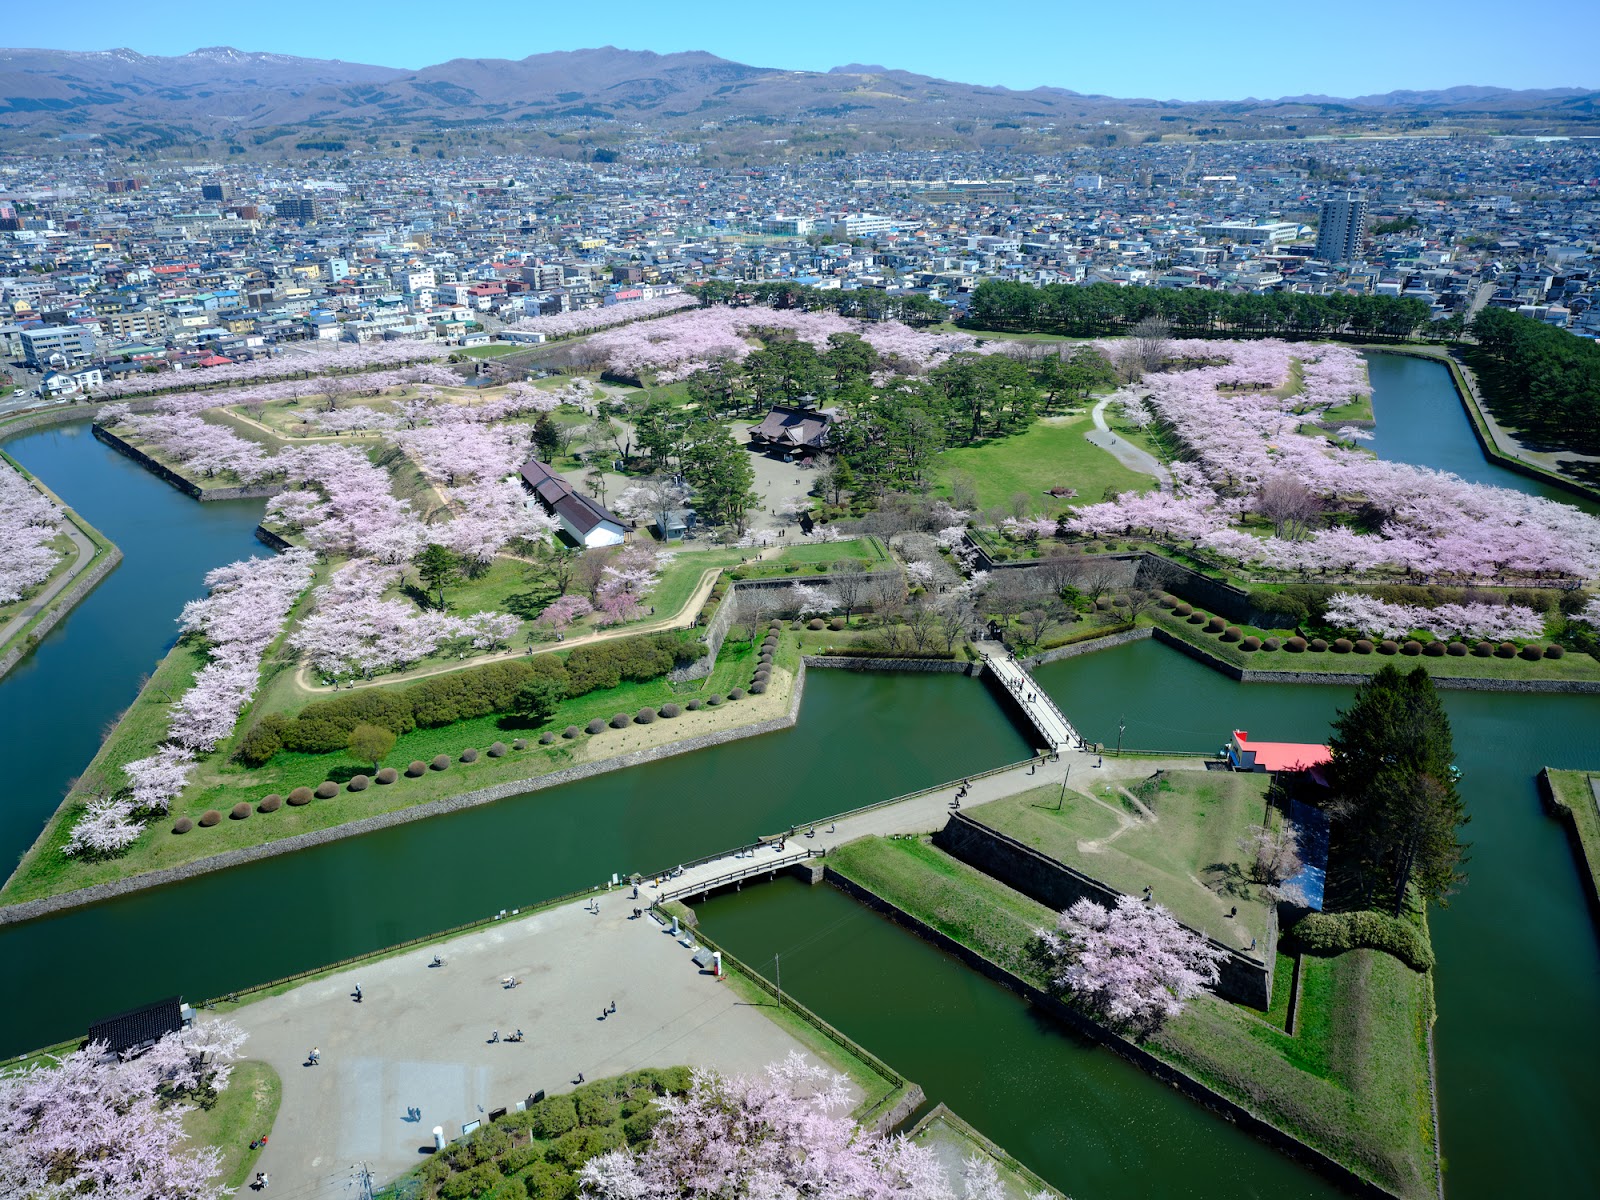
x=953 y=1142
x=219 y=783
x=243 y=1112
x=1573 y=665
x=1053 y=453
x=1574 y=790
x=1353 y=1080
x=493 y=350
x=1188 y=852
x=807 y=557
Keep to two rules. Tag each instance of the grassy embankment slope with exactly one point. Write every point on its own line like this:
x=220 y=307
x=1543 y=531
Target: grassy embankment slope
x=1352 y=1080
x=219 y=783
x=1575 y=791
x=68 y=564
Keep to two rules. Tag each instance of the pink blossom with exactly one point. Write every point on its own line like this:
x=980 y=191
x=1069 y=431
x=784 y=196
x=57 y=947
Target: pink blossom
x=564 y=610
x=29 y=523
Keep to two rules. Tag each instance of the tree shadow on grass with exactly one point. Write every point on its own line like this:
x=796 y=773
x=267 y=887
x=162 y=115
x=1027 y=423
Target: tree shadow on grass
x=1226 y=879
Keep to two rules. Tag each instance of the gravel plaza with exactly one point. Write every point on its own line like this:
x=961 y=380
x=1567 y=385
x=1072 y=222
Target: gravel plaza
x=420 y=1035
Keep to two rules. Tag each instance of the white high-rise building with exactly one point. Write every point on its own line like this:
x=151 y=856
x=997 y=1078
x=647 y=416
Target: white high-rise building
x=1341 y=227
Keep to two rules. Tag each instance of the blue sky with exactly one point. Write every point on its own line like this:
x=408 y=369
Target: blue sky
x=1186 y=50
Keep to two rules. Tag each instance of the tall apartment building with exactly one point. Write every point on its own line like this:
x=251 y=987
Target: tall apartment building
x=1341 y=227
x=303 y=209
x=217 y=191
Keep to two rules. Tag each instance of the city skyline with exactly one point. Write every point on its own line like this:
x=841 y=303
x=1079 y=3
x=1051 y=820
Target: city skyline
x=1073 y=46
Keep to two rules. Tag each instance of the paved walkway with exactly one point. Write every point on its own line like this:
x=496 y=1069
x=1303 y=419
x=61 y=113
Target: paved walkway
x=921 y=813
x=1123 y=451
x=85 y=552
x=420 y=1036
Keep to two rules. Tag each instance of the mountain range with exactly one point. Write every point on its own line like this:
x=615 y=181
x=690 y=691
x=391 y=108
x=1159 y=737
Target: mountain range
x=274 y=103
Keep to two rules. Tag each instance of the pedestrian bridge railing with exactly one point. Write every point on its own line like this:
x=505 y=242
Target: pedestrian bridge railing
x=700 y=886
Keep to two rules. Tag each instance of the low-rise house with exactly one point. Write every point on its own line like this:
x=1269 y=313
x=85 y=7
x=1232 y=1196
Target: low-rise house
x=581 y=517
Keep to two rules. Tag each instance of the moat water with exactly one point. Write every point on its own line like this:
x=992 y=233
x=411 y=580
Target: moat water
x=1518 y=977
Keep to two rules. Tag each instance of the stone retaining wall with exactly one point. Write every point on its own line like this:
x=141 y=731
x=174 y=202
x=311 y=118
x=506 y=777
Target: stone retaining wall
x=1058 y=886
x=1134 y=1053
x=1449 y=683
x=1587 y=871
x=60 y=607
x=13 y=914
x=1088 y=646
x=184 y=484
x=844 y=662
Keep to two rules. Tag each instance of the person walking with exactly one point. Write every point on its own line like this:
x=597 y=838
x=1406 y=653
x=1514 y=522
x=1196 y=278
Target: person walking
x=315 y=1057
x=358 y=993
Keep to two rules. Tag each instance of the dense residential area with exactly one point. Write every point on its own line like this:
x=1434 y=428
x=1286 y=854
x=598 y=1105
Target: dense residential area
x=106 y=271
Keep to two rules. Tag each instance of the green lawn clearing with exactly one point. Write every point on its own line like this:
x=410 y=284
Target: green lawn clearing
x=1180 y=836
x=1053 y=453
x=1575 y=791
x=244 y=1111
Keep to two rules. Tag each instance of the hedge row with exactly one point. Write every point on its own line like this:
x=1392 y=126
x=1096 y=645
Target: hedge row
x=1329 y=934
x=325 y=725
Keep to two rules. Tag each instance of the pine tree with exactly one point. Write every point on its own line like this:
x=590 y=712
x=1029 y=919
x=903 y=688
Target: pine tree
x=1391 y=770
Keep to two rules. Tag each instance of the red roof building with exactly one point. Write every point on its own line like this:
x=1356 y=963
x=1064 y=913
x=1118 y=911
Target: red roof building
x=1247 y=755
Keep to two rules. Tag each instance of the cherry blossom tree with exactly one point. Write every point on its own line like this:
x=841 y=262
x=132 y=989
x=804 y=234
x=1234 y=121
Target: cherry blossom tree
x=781 y=1136
x=89 y=1125
x=1133 y=962
x=589 y=320
x=29 y=523
x=564 y=611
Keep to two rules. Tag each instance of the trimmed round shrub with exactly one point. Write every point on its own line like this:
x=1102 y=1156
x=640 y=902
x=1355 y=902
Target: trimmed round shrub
x=441 y=762
x=522 y=744
x=736 y=694
x=644 y=716
x=239 y=811
x=1198 y=618
x=713 y=700
x=1483 y=649
x=670 y=710
x=595 y=726
x=769 y=646
x=1251 y=643
x=1232 y=633
x=547 y=737
x=1411 y=647
x=1434 y=649
x=1295 y=644
x=1102 y=605
x=621 y=720
x=497 y=750
x=1363 y=646
x=387 y=776
x=209 y=818
x=271 y=802
x=765 y=660
x=416 y=769
x=1533 y=653
x=300 y=795
x=1119 y=602
x=1317 y=645
x=836 y=624
x=775 y=623
x=1182 y=610
x=1271 y=643
x=758 y=687
x=470 y=754
x=1166 y=600
x=816 y=624
x=1342 y=645
x=1505 y=650
x=762 y=675
x=182 y=825
x=692 y=705
x=359 y=783
x=1554 y=650
x=571 y=731
x=1456 y=649
x=327 y=790
x=1388 y=646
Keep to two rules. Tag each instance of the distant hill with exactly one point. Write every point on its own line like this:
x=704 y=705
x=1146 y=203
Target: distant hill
x=276 y=102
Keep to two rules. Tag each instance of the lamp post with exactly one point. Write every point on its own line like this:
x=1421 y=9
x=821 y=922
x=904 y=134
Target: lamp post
x=1062 y=797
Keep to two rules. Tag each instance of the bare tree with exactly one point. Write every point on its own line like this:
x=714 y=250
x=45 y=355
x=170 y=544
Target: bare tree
x=850 y=585
x=1275 y=853
x=1021 y=504
x=1140 y=601
x=1037 y=622
x=589 y=571
x=963 y=490
x=1096 y=577
x=757 y=606
x=1152 y=338
x=952 y=618
x=1058 y=568
x=1290 y=505
x=920 y=622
